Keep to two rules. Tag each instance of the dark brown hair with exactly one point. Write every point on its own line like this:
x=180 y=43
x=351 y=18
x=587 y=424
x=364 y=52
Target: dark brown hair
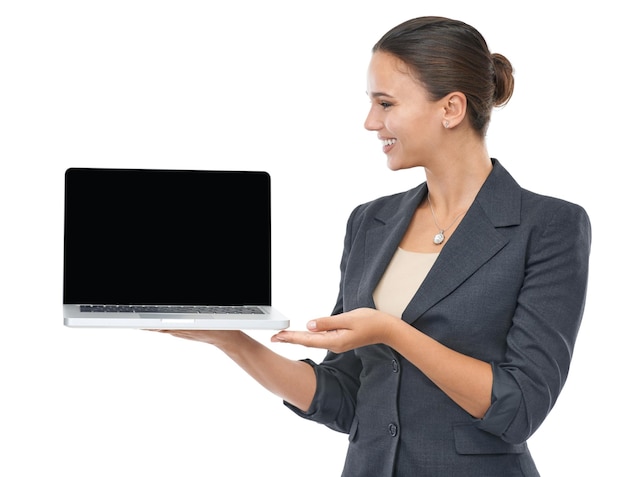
x=449 y=55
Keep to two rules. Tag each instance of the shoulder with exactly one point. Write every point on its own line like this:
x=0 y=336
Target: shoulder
x=542 y=219
x=533 y=200
x=555 y=225
x=507 y=203
x=547 y=209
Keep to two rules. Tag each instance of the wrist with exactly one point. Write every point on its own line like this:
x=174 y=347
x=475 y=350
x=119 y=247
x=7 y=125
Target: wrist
x=227 y=341
x=393 y=328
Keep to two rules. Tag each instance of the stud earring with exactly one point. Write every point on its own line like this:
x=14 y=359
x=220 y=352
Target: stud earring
x=446 y=124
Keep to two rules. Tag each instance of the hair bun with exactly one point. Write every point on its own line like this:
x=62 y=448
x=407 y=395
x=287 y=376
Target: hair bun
x=503 y=79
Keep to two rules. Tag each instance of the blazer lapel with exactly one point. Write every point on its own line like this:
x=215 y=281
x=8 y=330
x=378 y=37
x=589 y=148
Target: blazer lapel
x=474 y=242
x=383 y=239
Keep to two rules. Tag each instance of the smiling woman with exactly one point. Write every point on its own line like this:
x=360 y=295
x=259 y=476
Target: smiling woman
x=459 y=300
x=462 y=62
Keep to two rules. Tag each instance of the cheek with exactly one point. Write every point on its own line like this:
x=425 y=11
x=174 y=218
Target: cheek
x=416 y=130
x=406 y=122
x=397 y=125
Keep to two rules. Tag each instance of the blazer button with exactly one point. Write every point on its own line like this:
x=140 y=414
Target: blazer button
x=395 y=366
x=393 y=430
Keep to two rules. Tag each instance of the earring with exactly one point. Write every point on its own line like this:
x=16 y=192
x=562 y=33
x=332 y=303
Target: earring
x=446 y=124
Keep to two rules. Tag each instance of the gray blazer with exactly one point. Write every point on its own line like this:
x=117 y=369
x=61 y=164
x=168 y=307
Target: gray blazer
x=508 y=288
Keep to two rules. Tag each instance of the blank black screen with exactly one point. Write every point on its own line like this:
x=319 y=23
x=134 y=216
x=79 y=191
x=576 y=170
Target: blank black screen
x=167 y=237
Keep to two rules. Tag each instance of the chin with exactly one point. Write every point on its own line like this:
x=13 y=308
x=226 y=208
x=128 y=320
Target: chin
x=395 y=166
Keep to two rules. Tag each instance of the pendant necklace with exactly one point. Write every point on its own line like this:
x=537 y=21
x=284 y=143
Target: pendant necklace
x=440 y=237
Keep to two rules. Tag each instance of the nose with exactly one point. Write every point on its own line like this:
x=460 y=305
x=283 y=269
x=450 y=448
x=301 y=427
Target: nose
x=371 y=122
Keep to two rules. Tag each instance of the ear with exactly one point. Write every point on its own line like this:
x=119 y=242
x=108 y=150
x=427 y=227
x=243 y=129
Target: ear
x=454 y=109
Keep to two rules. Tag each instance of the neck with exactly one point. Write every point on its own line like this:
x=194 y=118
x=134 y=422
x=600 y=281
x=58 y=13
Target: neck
x=454 y=181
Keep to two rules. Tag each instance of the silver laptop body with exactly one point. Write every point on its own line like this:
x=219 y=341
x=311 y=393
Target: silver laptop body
x=168 y=249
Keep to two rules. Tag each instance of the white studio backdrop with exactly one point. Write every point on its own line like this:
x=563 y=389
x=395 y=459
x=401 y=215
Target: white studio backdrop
x=276 y=86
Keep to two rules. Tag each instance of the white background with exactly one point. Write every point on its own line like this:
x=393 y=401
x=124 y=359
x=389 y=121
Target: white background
x=276 y=86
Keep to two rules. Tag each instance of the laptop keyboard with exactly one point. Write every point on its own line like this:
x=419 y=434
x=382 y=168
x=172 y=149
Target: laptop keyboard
x=233 y=310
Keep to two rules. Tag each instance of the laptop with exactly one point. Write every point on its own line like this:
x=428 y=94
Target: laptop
x=168 y=249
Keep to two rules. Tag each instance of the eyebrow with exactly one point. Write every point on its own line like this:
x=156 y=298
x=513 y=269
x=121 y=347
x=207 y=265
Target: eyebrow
x=378 y=94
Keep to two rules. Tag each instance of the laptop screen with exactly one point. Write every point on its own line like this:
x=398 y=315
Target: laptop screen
x=167 y=237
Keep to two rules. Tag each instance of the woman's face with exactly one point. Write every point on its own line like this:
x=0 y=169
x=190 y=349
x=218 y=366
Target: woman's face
x=405 y=120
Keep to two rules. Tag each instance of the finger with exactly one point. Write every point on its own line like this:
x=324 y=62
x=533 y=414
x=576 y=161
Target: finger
x=310 y=340
x=294 y=337
x=327 y=324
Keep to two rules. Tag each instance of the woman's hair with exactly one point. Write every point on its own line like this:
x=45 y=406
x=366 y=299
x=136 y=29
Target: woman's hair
x=449 y=55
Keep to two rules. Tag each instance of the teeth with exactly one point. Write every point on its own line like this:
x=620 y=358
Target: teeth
x=388 y=142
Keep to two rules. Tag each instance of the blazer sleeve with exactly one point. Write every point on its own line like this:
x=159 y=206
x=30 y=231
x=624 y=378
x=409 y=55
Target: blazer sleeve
x=547 y=318
x=337 y=376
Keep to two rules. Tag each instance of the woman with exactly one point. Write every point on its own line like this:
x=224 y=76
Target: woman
x=460 y=300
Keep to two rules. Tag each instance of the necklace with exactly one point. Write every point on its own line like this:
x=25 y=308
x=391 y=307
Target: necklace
x=440 y=237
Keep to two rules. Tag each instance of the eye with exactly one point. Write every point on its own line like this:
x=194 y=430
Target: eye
x=385 y=104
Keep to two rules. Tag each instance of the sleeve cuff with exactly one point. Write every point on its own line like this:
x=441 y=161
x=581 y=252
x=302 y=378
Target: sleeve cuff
x=506 y=398
x=328 y=405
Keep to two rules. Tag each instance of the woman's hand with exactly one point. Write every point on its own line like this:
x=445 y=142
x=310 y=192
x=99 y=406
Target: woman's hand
x=466 y=380
x=344 y=332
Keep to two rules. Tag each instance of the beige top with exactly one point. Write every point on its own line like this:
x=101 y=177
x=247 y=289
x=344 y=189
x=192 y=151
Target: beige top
x=403 y=276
